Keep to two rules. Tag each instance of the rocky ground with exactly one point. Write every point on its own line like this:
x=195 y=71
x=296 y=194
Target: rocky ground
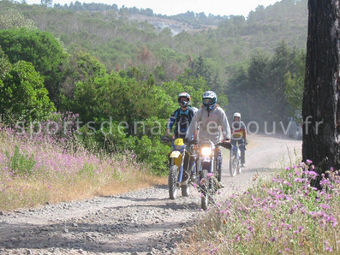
x=141 y=222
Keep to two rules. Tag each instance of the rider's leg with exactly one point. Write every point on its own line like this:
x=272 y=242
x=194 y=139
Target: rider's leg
x=191 y=167
x=218 y=165
x=186 y=165
x=243 y=151
x=218 y=157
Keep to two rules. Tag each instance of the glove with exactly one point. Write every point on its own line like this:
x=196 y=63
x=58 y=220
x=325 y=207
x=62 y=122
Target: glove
x=194 y=141
x=165 y=139
x=226 y=144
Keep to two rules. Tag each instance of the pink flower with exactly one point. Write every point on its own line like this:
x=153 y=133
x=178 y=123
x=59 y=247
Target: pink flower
x=209 y=175
x=327 y=247
x=301 y=180
x=325 y=182
x=325 y=206
x=308 y=161
x=311 y=174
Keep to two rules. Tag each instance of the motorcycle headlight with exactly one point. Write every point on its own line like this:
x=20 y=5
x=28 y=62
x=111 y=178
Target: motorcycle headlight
x=206 y=151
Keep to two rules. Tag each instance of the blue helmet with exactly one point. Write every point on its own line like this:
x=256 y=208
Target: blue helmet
x=209 y=100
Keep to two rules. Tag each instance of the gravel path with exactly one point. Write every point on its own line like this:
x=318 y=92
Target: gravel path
x=141 y=222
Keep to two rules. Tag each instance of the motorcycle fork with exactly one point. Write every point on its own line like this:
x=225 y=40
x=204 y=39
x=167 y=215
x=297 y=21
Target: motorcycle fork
x=181 y=169
x=217 y=157
x=193 y=165
x=212 y=162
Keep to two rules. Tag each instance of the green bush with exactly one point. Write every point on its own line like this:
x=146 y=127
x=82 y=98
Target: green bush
x=21 y=163
x=154 y=153
x=87 y=170
x=5 y=65
x=23 y=95
x=39 y=48
x=142 y=143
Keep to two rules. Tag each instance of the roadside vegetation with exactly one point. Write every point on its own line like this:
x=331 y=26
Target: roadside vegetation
x=38 y=171
x=283 y=216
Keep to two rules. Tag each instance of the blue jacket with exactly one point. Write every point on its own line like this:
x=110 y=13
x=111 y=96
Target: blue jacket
x=181 y=119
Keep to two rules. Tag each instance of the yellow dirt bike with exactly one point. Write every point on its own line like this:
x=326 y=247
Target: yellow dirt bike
x=180 y=168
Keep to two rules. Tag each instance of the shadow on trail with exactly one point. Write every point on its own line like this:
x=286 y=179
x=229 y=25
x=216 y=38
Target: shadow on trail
x=87 y=237
x=165 y=187
x=245 y=171
x=126 y=196
x=171 y=204
x=260 y=170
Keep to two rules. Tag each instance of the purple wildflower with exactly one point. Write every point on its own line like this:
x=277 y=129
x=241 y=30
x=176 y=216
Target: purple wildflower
x=308 y=161
x=325 y=206
x=209 y=175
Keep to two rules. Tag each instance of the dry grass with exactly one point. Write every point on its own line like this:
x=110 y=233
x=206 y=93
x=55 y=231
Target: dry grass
x=56 y=176
x=24 y=192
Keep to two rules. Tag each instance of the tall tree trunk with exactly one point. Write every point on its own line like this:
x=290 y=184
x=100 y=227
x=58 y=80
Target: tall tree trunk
x=321 y=106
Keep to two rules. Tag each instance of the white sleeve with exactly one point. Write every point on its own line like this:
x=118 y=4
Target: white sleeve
x=192 y=128
x=225 y=125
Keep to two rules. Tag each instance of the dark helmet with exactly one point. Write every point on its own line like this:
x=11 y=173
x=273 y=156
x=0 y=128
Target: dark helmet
x=181 y=99
x=209 y=100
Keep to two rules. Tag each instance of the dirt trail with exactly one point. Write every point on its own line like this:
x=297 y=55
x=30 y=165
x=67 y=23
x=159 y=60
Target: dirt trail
x=141 y=222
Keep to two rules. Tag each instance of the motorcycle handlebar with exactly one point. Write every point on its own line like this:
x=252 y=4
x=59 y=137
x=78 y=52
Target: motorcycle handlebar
x=225 y=144
x=166 y=139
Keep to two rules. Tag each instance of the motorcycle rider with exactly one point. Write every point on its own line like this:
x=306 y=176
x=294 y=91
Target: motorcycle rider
x=239 y=135
x=182 y=117
x=211 y=123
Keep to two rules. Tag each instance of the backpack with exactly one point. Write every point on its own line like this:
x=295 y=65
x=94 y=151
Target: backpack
x=183 y=120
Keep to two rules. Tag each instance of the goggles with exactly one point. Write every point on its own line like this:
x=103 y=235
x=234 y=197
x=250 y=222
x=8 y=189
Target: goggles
x=207 y=101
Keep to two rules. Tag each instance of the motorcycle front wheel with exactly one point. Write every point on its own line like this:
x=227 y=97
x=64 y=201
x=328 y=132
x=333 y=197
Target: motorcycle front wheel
x=219 y=170
x=172 y=181
x=204 y=188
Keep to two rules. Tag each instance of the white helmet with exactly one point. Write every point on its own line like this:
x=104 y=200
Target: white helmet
x=184 y=95
x=237 y=114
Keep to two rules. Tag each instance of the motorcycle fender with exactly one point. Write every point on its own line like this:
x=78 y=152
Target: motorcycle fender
x=175 y=154
x=205 y=159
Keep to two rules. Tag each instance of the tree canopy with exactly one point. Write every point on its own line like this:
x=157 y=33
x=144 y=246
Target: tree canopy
x=39 y=48
x=23 y=95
